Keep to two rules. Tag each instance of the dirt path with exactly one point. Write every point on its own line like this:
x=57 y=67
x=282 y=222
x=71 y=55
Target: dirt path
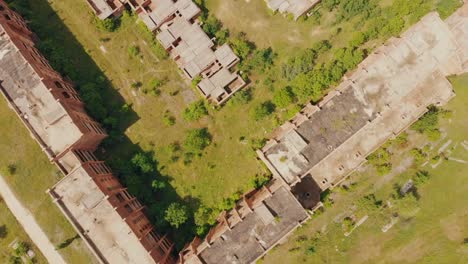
x=29 y=225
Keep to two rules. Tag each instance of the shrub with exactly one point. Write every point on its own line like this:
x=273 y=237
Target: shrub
x=168 y=119
x=358 y=39
x=196 y=140
x=283 y=97
x=196 y=81
x=133 y=51
x=176 y=214
x=158 y=185
x=212 y=25
x=241 y=46
x=142 y=162
x=21 y=249
x=11 y=168
x=381 y=160
x=259 y=181
x=222 y=36
x=418 y=155
x=447 y=7
x=242 y=97
x=195 y=111
x=262 y=110
x=108 y=24
x=421 y=177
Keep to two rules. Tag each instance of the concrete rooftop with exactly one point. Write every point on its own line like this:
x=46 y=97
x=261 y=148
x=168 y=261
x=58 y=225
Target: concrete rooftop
x=88 y=208
x=258 y=232
x=30 y=95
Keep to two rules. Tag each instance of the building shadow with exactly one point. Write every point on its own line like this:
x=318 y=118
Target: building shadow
x=105 y=104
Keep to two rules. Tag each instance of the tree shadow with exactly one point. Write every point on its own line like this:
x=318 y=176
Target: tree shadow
x=105 y=104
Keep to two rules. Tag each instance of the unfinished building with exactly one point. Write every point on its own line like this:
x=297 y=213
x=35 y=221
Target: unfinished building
x=257 y=223
x=110 y=221
x=178 y=31
x=389 y=91
x=107 y=8
x=296 y=8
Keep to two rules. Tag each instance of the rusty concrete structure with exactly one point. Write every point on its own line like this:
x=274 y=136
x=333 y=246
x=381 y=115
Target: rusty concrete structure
x=109 y=220
x=258 y=222
x=179 y=32
x=389 y=91
x=296 y=8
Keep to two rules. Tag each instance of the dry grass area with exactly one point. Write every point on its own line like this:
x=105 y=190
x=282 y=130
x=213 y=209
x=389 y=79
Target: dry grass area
x=11 y=231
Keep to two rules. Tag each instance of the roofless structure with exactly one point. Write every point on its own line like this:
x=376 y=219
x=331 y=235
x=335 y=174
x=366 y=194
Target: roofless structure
x=389 y=91
x=109 y=220
x=177 y=29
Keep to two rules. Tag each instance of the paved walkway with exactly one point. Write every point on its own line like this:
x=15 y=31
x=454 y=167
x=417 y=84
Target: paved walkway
x=29 y=224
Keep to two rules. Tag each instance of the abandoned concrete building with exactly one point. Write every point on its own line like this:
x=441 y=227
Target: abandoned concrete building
x=178 y=31
x=389 y=91
x=110 y=221
x=107 y=8
x=257 y=223
x=296 y=8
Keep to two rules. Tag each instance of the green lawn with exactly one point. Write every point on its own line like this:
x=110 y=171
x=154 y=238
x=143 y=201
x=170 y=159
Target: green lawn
x=10 y=231
x=229 y=164
x=33 y=176
x=435 y=232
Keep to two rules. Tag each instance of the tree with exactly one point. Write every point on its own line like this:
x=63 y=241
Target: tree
x=261 y=60
x=195 y=111
x=211 y=25
x=196 y=140
x=142 y=162
x=241 y=46
x=176 y=214
x=283 y=97
x=262 y=110
x=222 y=36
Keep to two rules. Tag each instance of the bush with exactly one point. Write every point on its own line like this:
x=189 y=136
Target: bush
x=108 y=24
x=428 y=124
x=381 y=160
x=261 y=60
x=242 y=97
x=222 y=36
x=421 y=177
x=133 y=51
x=211 y=25
x=418 y=155
x=358 y=39
x=195 y=111
x=259 y=181
x=196 y=140
x=176 y=214
x=262 y=110
x=143 y=162
x=196 y=81
x=241 y=46
x=447 y=7
x=11 y=168
x=283 y=97
x=168 y=119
